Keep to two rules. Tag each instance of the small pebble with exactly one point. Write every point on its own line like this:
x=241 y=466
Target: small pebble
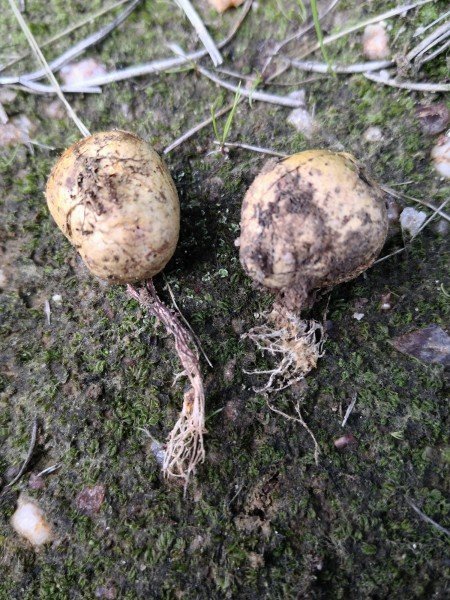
x=411 y=220
x=358 y=316
x=441 y=155
x=29 y=522
x=386 y=302
x=376 y=42
x=302 y=121
x=344 y=441
x=373 y=134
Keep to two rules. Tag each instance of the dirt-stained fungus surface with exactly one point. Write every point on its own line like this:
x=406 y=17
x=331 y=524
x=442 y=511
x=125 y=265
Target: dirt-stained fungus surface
x=114 y=199
x=312 y=221
x=261 y=520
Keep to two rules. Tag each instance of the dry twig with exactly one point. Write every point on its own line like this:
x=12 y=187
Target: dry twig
x=201 y=30
x=427 y=519
x=251 y=148
x=317 y=67
x=27 y=458
x=409 y=85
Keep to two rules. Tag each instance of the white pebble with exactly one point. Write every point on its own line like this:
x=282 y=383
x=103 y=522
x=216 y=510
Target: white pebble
x=57 y=298
x=29 y=522
x=373 y=134
x=302 y=121
x=375 y=42
x=75 y=73
x=441 y=155
x=358 y=316
x=411 y=220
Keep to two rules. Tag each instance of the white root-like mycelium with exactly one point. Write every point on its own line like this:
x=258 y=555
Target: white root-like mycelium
x=114 y=199
x=309 y=222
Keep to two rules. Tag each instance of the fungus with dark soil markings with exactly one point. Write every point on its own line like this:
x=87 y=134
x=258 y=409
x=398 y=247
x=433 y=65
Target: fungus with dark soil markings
x=114 y=199
x=308 y=222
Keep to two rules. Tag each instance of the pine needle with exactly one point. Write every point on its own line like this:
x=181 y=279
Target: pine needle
x=37 y=52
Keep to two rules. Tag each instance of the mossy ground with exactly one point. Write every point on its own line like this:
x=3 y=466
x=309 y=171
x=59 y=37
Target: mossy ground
x=261 y=520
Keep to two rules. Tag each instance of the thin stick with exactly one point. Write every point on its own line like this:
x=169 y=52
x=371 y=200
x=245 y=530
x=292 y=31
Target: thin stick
x=83 y=129
x=387 y=15
x=196 y=128
x=253 y=94
x=443 y=30
x=76 y=50
x=427 y=519
x=421 y=30
x=409 y=85
x=66 y=31
x=186 y=322
x=317 y=67
x=185 y=448
x=348 y=412
x=303 y=31
x=28 y=457
x=201 y=30
x=399 y=195
x=251 y=148
x=435 y=53
x=49 y=470
x=40 y=88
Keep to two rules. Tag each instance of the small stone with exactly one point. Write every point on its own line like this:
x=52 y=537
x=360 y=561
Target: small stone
x=386 y=302
x=433 y=119
x=57 y=299
x=29 y=522
x=358 y=316
x=376 y=42
x=75 y=73
x=411 y=220
x=302 y=121
x=346 y=440
x=441 y=156
x=373 y=134
x=90 y=499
